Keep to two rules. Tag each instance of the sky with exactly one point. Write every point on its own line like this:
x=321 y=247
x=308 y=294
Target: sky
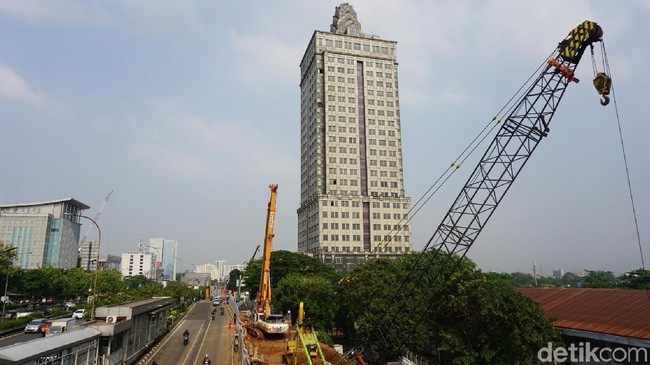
x=188 y=110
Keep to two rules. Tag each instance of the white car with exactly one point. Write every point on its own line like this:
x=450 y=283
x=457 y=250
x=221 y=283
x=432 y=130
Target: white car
x=79 y=313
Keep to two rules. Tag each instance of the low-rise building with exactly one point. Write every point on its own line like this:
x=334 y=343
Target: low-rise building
x=616 y=321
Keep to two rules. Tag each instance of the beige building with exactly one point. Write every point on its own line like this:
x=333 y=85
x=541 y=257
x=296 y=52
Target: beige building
x=43 y=233
x=352 y=199
x=88 y=253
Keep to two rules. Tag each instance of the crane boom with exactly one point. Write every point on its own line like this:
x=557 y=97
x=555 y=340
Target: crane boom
x=97 y=215
x=264 y=295
x=512 y=146
x=518 y=137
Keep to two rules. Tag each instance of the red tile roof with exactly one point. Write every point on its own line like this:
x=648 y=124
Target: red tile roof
x=621 y=312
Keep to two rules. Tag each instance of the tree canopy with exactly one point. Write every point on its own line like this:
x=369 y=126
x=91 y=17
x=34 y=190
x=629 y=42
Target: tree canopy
x=462 y=314
x=282 y=264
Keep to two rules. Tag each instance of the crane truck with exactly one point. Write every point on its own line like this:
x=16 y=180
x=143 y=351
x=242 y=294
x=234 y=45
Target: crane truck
x=264 y=322
x=519 y=135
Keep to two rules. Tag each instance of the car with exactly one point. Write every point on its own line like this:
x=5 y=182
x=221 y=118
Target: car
x=35 y=325
x=79 y=313
x=68 y=305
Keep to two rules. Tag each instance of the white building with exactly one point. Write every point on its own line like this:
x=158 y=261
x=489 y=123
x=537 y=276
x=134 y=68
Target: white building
x=352 y=198
x=138 y=263
x=219 y=270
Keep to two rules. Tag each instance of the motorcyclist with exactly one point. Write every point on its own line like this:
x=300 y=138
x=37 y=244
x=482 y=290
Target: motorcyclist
x=221 y=310
x=186 y=336
x=206 y=360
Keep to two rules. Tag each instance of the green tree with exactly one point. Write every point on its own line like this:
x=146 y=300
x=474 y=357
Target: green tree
x=571 y=280
x=636 y=279
x=484 y=320
x=600 y=279
x=233 y=279
x=110 y=287
x=442 y=302
x=522 y=280
x=317 y=294
x=76 y=283
x=364 y=297
x=282 y=264
x=41 y=283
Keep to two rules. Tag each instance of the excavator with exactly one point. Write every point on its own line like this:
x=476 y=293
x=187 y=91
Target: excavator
x=264 y=322
x=520 y=133
x=304 y=341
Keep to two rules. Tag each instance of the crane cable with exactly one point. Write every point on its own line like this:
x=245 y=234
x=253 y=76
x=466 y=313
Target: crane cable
x=506 y=109
x=627 y=169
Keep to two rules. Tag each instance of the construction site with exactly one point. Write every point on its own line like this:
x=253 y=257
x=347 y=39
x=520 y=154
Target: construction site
x=272 y=338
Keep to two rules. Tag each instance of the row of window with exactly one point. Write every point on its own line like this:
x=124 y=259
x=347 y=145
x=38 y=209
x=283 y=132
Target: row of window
x=365 y=47
x=353 y=161
x=353 y=151
x=352 y=61
x=356 y=204
x=373 y=173
x=351 y=80
x=357 y=238
x=357 y=193
x=356 y=215
x=373 y=183
x=357 y=226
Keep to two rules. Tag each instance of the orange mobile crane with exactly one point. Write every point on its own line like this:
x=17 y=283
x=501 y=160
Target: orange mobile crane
x=264 y=321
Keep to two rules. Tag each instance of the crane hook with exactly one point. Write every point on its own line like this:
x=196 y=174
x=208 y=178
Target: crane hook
x=603 y=84
x=605 y=100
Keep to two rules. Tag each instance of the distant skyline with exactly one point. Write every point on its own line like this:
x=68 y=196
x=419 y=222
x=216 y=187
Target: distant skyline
x=189 y=110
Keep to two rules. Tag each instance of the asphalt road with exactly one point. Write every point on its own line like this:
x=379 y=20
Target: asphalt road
x=19 y=338
x=207 y=336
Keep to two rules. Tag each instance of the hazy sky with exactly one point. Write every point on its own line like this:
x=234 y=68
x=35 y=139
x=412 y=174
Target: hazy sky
x=190 y=109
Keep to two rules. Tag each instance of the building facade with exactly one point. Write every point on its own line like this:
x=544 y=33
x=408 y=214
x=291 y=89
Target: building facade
x=220 y=270
x=352 y=199
x=165 y=251
x=136 y=263
x=44 y=233
x=110 y=262
x=88 y=253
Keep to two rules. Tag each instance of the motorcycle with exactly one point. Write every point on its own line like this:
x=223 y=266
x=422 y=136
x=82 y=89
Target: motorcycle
x=213 y=317
x=186 y=339
x=222 y=311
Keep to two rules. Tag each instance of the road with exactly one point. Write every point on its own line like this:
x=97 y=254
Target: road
x=19 y=338
x=212 y=337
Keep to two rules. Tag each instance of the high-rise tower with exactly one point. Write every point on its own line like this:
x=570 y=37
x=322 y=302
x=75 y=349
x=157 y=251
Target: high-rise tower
x=352 y=199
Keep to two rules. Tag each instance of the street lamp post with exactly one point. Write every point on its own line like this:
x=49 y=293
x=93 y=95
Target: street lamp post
x=182 y=264
x=99 y=243
x=4 y=301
